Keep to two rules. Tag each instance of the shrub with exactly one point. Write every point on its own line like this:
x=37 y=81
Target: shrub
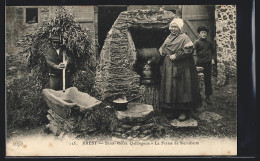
x=99 y=120
x=25 y=104
x=78 y=41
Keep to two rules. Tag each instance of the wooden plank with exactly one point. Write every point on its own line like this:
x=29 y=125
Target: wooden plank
x=191 y=28
x=189 y=10
x=197 y=17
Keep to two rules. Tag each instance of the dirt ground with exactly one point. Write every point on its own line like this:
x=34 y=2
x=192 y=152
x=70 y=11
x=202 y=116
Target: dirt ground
x=224 y=106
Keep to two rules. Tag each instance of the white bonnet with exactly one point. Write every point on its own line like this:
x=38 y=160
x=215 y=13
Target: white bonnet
x=178 y=21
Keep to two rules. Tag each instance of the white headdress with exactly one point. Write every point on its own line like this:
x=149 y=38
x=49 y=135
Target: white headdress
x=178 y=21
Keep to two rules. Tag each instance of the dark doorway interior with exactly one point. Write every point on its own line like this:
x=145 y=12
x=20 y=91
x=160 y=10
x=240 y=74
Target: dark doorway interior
x=149 y=38
x=145 y=39
x=106 y=18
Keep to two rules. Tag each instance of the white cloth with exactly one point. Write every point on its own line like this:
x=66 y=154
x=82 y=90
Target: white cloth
x=178 y=21
x=188 y=44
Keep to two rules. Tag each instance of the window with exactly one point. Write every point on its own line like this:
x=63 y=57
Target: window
x=31 y=15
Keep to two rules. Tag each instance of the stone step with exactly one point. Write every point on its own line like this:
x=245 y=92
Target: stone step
x=135 y=113
x=209 y=116
x=186 y=123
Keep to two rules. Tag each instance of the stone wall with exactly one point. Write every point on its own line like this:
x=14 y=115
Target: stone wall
x=16 y=27
x=176 y=9
x=115 y=74
x=226 y=42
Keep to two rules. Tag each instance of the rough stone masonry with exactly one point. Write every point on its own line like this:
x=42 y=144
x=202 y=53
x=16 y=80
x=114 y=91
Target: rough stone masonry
x=115 y=73
x=226 y=48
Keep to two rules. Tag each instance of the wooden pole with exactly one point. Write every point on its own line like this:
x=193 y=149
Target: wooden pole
x=63 y=72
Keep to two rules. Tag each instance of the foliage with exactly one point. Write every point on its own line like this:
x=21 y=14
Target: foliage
x=73 y=37
x=84 y=81
x=99 y=120
x=25 y=105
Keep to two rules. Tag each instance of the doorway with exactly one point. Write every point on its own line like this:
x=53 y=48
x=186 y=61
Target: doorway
x=106 y=18
x=198 y=15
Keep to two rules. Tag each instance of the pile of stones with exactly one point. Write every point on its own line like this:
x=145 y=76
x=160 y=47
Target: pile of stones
x=59 y=125
x=136 y=122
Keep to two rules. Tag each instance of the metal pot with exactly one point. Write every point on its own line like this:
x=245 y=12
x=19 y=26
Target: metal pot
x=120 y=105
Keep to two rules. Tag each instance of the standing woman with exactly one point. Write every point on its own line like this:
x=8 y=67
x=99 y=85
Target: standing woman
x=179 y=90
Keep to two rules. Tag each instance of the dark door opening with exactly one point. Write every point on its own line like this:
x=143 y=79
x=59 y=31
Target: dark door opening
x=198 y=15
x=149 y=38
x=106 y=18
x=147 y=43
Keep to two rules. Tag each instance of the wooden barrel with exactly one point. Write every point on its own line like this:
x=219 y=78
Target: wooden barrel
x=148 y=53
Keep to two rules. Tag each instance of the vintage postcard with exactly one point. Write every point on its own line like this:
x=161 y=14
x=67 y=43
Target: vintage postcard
x=121 y=80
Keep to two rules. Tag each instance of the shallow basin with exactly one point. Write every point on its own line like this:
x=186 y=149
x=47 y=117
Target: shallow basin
x=65 y=103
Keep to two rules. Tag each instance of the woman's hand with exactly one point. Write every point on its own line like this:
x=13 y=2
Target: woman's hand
x=173 y=57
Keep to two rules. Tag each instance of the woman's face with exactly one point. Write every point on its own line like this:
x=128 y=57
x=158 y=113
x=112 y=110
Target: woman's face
x=174 y=29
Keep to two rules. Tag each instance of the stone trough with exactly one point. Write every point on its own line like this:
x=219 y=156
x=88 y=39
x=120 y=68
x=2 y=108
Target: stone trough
x=64 y=103
x=66 y=107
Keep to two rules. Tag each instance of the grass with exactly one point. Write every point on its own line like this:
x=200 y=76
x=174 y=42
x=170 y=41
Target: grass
x=224 y=104
x=224 y=100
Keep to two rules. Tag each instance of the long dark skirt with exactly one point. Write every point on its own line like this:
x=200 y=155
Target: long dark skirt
x=179 y=84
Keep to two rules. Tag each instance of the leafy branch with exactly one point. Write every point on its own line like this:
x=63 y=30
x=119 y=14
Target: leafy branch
x=76 y=39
